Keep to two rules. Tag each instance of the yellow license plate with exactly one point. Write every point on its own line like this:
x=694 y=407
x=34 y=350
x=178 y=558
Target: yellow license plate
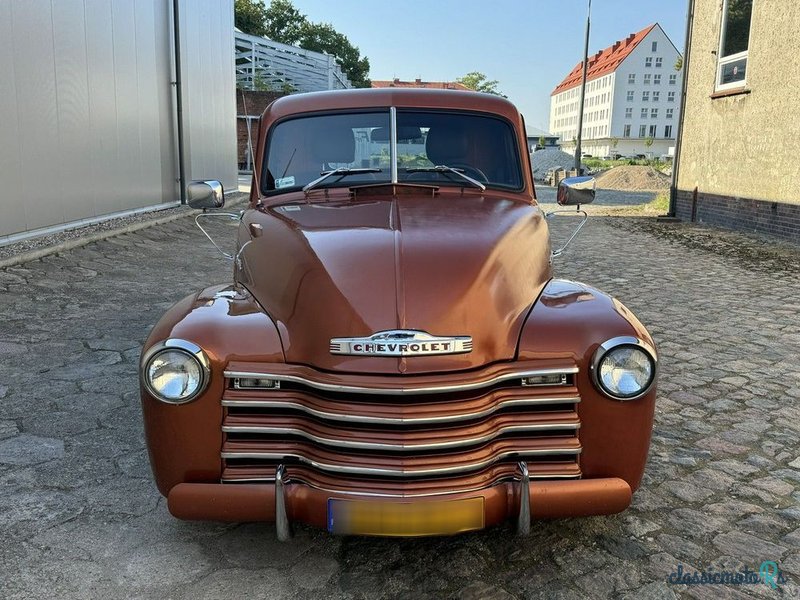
x=392 y=518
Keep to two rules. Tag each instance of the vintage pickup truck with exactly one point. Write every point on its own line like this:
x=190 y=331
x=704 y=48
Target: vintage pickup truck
x=393 y=355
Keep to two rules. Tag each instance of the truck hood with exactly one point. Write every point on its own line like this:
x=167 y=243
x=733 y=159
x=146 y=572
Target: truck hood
x=447 y=265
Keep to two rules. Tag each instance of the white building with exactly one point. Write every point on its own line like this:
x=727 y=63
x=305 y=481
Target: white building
x=633 y=95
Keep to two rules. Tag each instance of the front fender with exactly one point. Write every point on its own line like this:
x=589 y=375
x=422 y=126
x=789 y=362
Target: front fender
x=184 y=440
x=569 y=321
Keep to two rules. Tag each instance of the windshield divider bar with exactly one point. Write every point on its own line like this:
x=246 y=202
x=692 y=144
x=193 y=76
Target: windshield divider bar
x=393 y=141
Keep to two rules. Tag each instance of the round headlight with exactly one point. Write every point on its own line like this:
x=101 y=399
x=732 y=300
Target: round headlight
x=175 y=371
x=624 y=368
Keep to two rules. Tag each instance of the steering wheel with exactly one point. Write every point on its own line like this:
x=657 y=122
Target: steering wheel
x=471 y=171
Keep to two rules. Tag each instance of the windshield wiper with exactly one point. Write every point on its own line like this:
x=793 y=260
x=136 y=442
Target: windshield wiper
x=446 y=169
x=342 y=171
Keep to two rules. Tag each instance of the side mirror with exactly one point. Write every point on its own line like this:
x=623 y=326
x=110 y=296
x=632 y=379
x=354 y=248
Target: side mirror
x=575 y=191
x=205 y=194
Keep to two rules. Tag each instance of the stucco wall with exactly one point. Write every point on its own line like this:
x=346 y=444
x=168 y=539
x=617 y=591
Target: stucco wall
x=745 y=145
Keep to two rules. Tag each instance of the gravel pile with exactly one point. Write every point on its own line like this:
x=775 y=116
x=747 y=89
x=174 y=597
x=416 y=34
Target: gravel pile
x=550 y=158
x=633 y=178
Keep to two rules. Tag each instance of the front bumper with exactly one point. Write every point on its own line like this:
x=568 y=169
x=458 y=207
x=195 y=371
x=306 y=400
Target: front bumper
x=282 y=503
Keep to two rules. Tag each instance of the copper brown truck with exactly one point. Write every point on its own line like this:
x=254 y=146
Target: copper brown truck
x=393 y=355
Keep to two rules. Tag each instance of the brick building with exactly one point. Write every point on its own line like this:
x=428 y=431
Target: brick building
x=249 y=107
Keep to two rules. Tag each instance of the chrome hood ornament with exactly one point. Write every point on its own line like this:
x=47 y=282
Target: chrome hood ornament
x=402 y=342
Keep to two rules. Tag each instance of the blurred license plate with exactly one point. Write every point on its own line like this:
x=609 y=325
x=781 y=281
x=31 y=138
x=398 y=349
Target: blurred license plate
x=381 y=517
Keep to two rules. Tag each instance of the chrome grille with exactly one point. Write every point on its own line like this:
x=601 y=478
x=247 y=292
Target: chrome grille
x=399 y=433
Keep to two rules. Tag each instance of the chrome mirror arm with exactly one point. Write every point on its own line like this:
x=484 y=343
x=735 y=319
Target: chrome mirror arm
x=560 y=251
x=230 y=216
x=256 y=231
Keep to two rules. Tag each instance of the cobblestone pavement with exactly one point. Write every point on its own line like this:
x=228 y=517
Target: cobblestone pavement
x=80 y=517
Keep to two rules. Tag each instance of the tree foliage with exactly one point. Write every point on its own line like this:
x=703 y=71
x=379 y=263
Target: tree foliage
x=250 y=16
x=477 y=81
x=282 y=22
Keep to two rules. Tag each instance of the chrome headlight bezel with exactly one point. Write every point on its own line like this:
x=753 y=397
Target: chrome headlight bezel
x=623 y=342
x=191 y=350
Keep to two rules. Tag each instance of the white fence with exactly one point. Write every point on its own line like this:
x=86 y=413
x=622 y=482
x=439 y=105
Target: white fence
x=262 y=64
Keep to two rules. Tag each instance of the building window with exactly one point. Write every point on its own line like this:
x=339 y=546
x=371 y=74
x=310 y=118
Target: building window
x=657 y=79
x=645 y=96
x=670 y=112
x=629 y=112
x=673 y=79
x=670 y=96
x=648 y=61
x=733 y=43
x=647 y=79
x=642 y=130
x=630 y=96
x=644 y=113
x=668 y=131
x=652 y=131
x=659 y=60
x=626 y=131
x=655 y=96
x=653 y=113
x=654 y=47
x=631 y=77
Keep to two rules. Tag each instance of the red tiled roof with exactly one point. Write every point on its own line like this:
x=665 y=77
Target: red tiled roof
x=604 y=62
x=418 y=83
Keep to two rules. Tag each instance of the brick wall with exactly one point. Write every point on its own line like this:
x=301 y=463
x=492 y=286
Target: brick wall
x=741 y=214
x=256 y=102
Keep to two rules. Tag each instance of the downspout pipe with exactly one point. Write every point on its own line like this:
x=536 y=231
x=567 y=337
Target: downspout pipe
x=176 y=28
x=676 y=161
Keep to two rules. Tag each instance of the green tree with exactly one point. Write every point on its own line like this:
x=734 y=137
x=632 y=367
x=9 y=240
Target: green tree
x=477 y=81
x=542 y=141
x=648 y=141
x=679 y=63
x=322 y=37
x=250 y=16
x=282 y=22
x=614 y=142
x=260 y=83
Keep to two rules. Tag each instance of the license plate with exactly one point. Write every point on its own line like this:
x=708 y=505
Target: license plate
x=392 y=518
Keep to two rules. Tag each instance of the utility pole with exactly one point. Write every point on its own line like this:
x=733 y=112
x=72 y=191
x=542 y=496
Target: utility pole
x=583 y=92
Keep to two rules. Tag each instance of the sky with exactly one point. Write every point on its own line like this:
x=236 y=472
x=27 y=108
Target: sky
x=528 y=46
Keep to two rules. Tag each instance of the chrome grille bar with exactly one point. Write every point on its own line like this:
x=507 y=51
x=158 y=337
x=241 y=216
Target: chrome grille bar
x=388 y=472
x=400 y=390
x=344 y=443
x=357 y=418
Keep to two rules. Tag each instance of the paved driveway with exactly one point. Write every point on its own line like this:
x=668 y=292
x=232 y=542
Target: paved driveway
x=80 y=517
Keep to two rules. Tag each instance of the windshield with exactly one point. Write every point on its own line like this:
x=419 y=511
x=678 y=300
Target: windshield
x=303 y=149
x=355 y=149
x=481 y=147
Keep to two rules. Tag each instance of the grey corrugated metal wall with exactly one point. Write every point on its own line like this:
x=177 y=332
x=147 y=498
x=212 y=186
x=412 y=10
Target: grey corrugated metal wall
x=87 y=125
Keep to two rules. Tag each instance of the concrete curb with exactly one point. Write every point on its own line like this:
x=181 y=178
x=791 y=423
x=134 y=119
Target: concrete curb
x=102 y=235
